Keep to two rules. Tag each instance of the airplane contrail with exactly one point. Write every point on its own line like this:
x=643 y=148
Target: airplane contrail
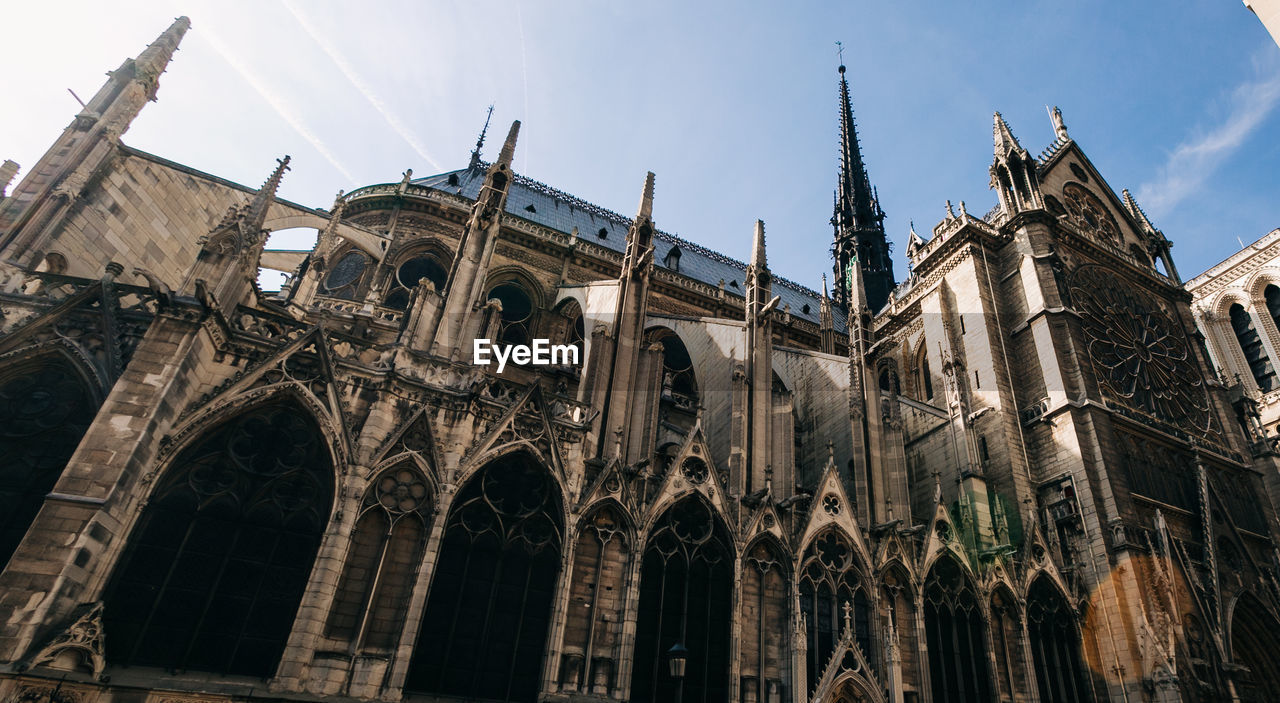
x=281 y=107
x=365 y=90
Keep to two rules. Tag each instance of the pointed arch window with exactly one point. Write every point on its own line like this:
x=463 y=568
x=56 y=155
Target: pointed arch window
x=215 y=570
x=679 y=383
x=484 y=629
x=1255 y=354
x=830 y=578
x=686 y=592
x=764 y=615
x=44 y=412
x=956 y=641
x=1255 y=644
x=386 y=548
x=592 y=629
x=1055 y=645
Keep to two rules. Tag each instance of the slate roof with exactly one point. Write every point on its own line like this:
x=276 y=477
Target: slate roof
x=539 y=203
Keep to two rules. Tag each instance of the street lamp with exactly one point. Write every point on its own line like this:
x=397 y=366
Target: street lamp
x=677 y=659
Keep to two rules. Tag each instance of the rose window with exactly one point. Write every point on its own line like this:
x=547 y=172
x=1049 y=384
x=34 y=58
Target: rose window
x=694 y=469
x=1089 y=214
x=1139 y=350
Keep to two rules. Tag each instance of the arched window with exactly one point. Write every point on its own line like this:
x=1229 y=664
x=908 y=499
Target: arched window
x=1255 y=643
x=1271 y=294
x=1055 y=645
x=373 y=593
x=517 y=312
x=45 y=409
x=215 y=570
x=686 y=592
x=764 y=615
x=343 y=279
x=408 y=274
x=679 y=385
x=921 y=378
x=592 y=630
x=1251 y=344
x=956 y=644
x=1006 y=636
x=484 y=629
x=830 y=579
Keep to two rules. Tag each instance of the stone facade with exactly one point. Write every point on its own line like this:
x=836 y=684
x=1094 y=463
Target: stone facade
x=1019 y=477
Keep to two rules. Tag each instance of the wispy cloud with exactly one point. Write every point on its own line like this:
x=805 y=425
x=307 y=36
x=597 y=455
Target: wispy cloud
x=281 y=107
x=1194 y=160
x=363 y=87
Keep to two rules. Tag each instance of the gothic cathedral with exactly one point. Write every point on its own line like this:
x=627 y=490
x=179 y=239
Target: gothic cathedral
x=1015 y=475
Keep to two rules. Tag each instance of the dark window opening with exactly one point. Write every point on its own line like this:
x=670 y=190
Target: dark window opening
x=672 y=259
x=956 y=641
x=485 y=625
x=517 y=313
x=603 y=233
x=1055 y=645
x=686 y=592
x=679 y=384
x=44 y=412
x=829 y=581
x=1255 y=354
x=409 y=274
x=214 y=572
x=530 y=208
x=377 y=580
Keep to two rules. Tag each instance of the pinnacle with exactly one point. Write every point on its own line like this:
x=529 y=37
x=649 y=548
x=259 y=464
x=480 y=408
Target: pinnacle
x=757 y=247
x=153 y=60
x=646 y=200
x=266 y=194
x=509 y=147
x=1004 y=139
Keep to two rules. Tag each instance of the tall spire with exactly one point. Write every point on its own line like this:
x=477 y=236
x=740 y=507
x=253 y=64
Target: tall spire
x=475 y=153
x=857 y=218
x=855 y=202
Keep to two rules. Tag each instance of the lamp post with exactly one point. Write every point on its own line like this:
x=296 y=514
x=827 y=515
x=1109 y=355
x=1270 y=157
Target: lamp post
x=677 y=659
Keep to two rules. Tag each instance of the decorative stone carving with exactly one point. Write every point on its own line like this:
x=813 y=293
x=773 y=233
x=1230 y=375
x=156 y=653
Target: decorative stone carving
x=79 y=647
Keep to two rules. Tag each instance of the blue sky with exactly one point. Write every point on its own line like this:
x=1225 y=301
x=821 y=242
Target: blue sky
x=732 y=105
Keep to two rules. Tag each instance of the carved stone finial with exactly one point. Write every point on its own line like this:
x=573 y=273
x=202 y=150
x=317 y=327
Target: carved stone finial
x=951 y=214
x=848 y=617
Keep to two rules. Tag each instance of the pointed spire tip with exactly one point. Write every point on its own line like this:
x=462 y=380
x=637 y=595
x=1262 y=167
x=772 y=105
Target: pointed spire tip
x=508 y=152
x=646 y=199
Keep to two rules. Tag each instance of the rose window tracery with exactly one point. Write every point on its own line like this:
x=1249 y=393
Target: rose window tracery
x=1089 y=214
x=1139 y=351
